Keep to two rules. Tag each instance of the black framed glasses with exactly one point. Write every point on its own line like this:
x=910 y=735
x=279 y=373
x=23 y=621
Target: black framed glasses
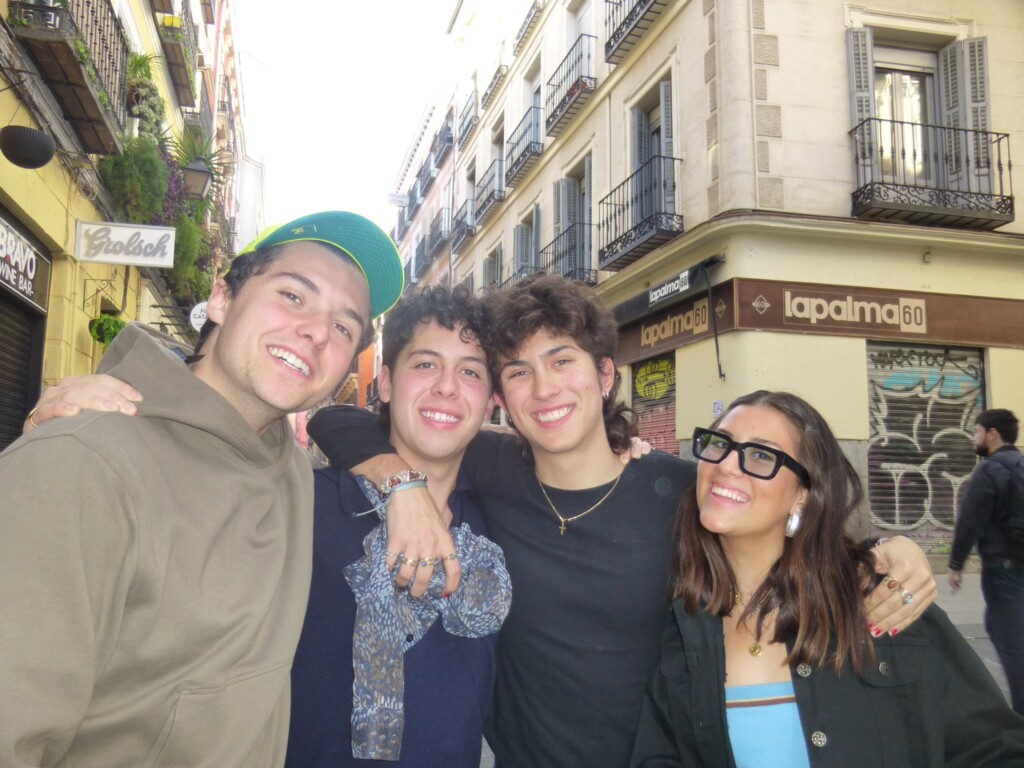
x=756 y=460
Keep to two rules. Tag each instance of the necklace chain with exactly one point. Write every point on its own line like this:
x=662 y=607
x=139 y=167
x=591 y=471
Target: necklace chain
x=563 y=520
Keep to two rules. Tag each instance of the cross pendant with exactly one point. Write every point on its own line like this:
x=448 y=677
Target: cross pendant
x=561 y=528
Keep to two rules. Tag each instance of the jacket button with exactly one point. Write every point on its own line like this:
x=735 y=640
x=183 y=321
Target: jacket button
x=804 y=670
x=884 y=669
x=818 y=739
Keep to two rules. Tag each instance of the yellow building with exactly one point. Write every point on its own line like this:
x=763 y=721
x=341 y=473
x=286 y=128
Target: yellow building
x=814 y=196
x=64 y=72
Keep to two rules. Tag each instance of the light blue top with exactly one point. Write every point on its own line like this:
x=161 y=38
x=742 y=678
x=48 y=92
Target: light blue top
x=764 y=726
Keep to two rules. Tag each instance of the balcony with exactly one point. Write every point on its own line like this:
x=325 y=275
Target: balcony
x=571 y=85
x=625 y=24
x=442 y=143
x=162 y=6
x=524 y=148
x=932 y=175
x=492 y=89
x=422 y=261
x=468 y=120
x=207 y=6
x=410 y=279
x=518 y=276
x=415 y=199
x=440 y=231
x=490 y=192
x=401 y=226
x=463 y=226
x=528 y=25
x=201 y=120
x=81 y=52
x=426 y=175
x=568 y=255
x=467 y=282
x=640 y=214
x=178 y=37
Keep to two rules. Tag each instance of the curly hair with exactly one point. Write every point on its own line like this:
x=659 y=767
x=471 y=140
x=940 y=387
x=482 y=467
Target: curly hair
x=544 y=302
x=450 y=309
x=819 y=582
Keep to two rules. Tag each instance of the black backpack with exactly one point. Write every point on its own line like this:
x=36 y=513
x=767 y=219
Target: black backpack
x=1011 y=517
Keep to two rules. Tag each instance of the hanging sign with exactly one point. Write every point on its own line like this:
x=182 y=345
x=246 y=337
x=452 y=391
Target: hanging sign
x=25 y=270
x=135 y=244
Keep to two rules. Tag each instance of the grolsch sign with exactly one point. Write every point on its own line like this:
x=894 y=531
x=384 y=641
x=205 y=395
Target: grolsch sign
x=132 y=244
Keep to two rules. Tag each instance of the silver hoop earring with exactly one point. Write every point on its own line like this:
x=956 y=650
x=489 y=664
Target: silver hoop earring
x=793 y=523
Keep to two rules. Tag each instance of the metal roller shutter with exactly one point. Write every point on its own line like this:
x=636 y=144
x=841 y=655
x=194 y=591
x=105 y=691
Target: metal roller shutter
x=654 y=400
x=922 y=401
x=16 y=332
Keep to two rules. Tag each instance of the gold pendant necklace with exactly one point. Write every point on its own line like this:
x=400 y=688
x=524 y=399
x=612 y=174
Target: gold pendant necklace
x=755 y=649
x=563 y=520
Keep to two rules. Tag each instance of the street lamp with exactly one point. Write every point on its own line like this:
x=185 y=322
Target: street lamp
x=198 y=179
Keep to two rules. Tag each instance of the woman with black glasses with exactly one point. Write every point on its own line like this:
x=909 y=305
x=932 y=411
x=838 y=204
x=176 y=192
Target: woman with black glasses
x=766 y=662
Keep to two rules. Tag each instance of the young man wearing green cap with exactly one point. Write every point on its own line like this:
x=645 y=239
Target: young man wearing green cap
x=154 y=571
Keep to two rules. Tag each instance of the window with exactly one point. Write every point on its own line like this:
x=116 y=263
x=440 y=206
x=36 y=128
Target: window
x=655 y=182
x=493 y=269
x=572 y=221
x=526 y=244
x=917 y=109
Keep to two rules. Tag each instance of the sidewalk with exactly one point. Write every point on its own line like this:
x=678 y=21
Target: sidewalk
x=966 y=610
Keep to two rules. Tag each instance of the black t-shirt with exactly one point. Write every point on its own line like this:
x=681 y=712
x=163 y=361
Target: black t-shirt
x=588 y=607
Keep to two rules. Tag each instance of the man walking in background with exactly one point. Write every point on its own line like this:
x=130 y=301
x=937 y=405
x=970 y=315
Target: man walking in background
x=991 y=508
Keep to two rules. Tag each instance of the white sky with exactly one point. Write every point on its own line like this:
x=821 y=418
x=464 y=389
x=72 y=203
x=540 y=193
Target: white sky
x=334 y=91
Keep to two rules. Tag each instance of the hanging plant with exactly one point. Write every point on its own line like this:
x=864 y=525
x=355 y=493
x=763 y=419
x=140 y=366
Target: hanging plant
x=105 y=328
x=137 y=180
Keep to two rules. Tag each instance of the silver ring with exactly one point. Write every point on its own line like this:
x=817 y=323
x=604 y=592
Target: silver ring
x=908 y=598
x=389 y=553
x=453 y=556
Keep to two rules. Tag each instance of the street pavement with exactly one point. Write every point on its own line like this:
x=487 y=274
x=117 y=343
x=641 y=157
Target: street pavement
x=966 y=609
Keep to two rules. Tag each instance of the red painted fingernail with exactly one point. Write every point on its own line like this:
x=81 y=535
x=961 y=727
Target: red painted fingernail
x=870 y=626
x=892 y=632
x=446 y=595
x=876 y=632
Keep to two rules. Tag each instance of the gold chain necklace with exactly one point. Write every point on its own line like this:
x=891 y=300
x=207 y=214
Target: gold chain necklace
x=563 y=520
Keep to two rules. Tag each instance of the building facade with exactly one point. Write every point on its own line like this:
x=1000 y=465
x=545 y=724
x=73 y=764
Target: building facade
x=71 y=71
x=813 y=196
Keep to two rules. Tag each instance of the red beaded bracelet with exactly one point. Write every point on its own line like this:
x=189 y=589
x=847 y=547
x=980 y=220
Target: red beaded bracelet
x=401 y=478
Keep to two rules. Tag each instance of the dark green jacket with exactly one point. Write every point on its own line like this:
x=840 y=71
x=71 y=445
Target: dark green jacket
x=926 y=700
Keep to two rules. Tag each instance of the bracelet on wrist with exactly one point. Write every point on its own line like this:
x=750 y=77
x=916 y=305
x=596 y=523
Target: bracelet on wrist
x=407 y=485
x=392 y=483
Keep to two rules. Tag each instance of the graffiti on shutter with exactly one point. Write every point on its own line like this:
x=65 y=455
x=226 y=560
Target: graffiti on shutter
x=654 y=400
x=922 y=401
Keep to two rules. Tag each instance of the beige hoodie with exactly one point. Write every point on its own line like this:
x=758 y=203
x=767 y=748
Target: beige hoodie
x=154 y=573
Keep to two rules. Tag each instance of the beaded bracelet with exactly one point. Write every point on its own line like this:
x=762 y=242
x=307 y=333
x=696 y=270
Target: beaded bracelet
x=401 y=478
x=407 y=485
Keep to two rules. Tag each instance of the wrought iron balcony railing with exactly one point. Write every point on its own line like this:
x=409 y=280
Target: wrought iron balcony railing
x=427 y=174
x=490 y=192
x=401 y=225
x=625 y=24
x=933 y=175
x=524 y=147
x=201 y=119
x=571 y=85
x=492 y=88
x=422 y=259
x=568 y=255
x=440 y=231
x=468 y=120
x=463 y=225
x=81 y=51
x=415 y=199
x=178 y=37
x=442 y=143
x=519 y=275
x=640 y=214
x=527 y=27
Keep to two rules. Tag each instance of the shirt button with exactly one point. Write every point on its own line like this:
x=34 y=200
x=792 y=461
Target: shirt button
x=408 y=638
x=884 y=669
x=818 y=739
x=804 y=670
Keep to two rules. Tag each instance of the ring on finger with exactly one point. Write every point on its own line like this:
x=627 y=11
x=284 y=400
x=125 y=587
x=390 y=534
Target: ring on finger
x=908 y=598
x=453 y=556
x=892 y=583
x=389 y=553
x=428 y=561
x=410 y=561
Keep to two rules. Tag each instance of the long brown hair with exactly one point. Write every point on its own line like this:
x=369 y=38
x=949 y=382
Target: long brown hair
x=819 y=582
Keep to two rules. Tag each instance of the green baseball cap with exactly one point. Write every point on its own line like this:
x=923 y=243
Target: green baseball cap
x=362 y=240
